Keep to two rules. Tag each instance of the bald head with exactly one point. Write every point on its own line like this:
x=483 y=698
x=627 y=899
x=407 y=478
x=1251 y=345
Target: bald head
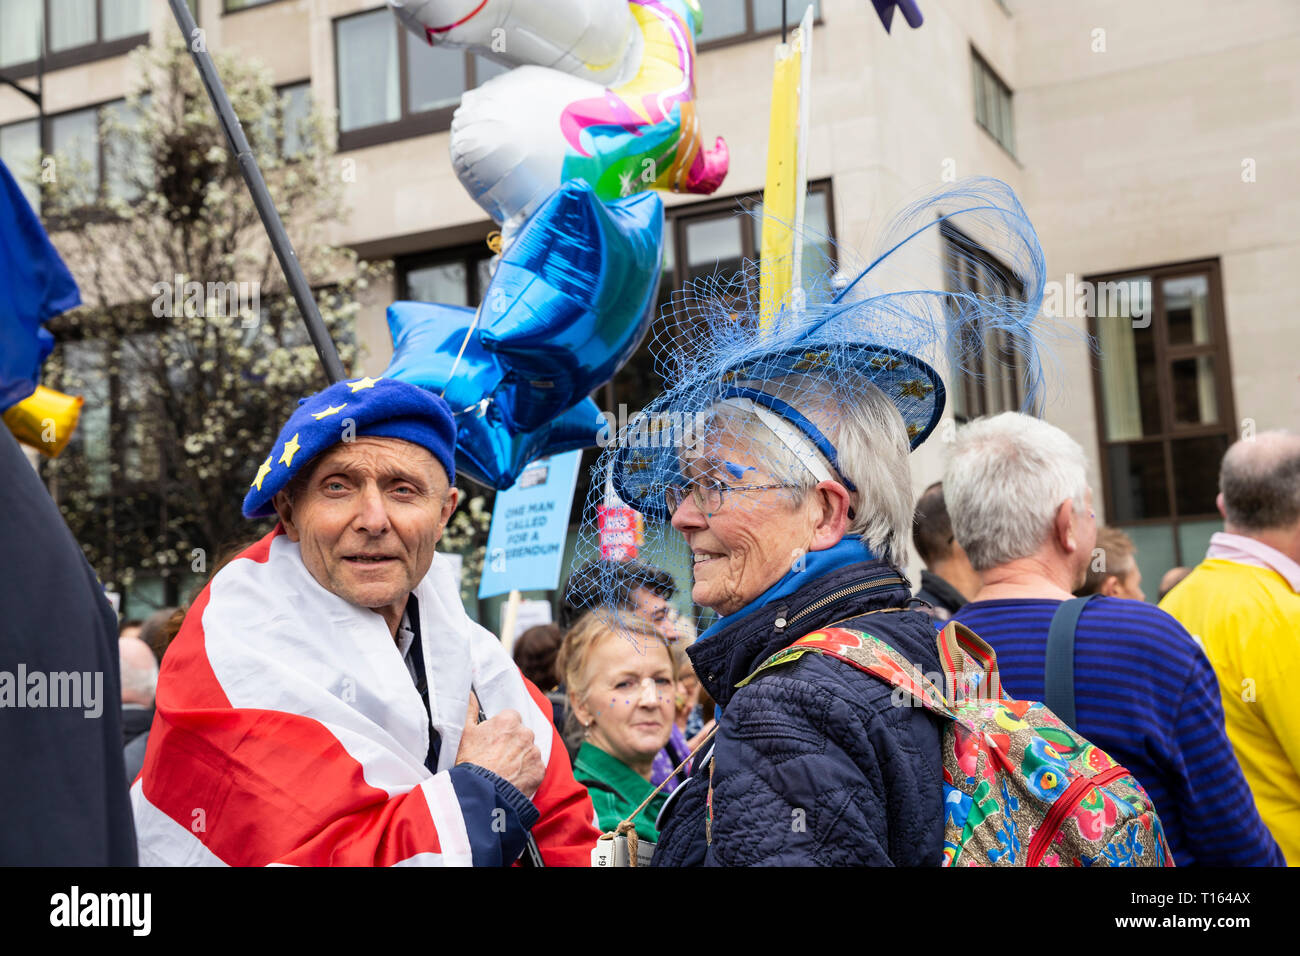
x=1259 y=483
x=139 y=671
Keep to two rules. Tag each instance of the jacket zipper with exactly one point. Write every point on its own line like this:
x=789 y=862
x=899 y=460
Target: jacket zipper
x=1066 y=802
x=842 y=592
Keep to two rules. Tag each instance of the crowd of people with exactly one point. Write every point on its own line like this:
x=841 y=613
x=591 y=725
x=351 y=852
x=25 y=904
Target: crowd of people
x=1191 y=696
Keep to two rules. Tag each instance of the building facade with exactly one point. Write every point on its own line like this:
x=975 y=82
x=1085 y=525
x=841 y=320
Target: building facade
x=1155 y=147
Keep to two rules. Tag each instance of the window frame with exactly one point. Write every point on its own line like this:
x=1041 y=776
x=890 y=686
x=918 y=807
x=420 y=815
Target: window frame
x=97 y=49
x=468 y=254
x=1165 y=356
x=977 y=395
x=982 y=70
x=408 y=124
x=749 y=34
x=227 y=10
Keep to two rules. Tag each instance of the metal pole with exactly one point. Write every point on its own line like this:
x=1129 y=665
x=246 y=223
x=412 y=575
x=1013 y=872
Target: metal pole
x=289 y=264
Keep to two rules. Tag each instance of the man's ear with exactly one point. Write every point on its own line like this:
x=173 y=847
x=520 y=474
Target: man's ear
x=284 y=508
x=1110 y=587
x=832 y=515
x=1218 y=503
x=448 y=506
x=1063 y=527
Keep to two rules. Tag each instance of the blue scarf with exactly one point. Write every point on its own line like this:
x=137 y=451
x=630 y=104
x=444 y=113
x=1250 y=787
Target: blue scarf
x=850 y=550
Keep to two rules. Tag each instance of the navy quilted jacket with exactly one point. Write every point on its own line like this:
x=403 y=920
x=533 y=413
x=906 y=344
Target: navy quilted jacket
x=812 y=764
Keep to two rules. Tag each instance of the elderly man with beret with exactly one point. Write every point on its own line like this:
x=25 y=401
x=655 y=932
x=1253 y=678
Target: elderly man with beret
x=327 y=698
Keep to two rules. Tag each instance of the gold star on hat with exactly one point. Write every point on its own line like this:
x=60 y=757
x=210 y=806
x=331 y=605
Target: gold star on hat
x=290 y=449
x=262 y=473
x=915 y=388
x=358 y=385
x=332 y=410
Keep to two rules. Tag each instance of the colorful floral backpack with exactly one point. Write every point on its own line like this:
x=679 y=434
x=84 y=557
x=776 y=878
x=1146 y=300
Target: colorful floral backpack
x=1020 y=787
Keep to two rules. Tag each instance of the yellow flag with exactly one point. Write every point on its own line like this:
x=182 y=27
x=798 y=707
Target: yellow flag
x=785 y=185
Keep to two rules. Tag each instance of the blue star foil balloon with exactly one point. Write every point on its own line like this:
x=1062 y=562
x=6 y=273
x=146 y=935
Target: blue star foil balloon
x=490 y=449
x=572 y=298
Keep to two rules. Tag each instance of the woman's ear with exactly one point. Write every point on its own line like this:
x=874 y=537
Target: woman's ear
x=831 y=514
x=580 y=710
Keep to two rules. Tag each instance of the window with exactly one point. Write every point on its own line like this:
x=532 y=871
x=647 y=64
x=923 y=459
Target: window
x=392 y=85
x=75 y=31
x=735 y=21
x=1164 y=407
x=452 y=277
x=295 y=111
x=20 y=148
x=987 y=371
x=233 y=5
x=95 y=154
x=993 y=103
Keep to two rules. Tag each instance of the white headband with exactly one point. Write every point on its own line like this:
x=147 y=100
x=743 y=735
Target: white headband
x=793 y=439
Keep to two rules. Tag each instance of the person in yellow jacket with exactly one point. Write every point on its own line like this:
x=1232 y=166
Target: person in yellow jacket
x=1243 y=603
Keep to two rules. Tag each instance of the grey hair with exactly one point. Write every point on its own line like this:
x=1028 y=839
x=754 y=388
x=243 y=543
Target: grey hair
x=872 y=445
x=1005 y=480
x=140 y=683
x=1260 y=481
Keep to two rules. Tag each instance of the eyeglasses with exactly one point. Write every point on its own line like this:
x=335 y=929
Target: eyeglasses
x=708 y=496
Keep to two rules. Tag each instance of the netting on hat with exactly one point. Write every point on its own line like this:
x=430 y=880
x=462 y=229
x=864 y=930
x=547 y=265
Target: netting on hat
x=834 y=385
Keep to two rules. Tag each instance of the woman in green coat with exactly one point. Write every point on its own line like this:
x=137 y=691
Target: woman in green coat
x=621 y=683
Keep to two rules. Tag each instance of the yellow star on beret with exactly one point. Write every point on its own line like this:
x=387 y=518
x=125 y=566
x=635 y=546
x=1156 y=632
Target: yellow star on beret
x=358 y=385
x=332 y=410
x=262 y=473
x=290 y=449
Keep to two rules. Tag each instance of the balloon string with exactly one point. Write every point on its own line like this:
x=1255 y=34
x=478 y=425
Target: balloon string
x=468 y=332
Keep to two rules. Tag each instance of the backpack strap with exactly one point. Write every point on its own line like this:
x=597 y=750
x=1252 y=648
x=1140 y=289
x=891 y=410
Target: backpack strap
x=1058 y=671
x=970 y=668
x=867 y=653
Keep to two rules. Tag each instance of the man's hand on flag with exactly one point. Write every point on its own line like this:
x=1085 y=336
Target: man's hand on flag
x=503 y=745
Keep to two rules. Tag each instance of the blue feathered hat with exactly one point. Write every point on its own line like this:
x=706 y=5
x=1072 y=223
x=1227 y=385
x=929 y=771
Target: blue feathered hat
x=382 y=407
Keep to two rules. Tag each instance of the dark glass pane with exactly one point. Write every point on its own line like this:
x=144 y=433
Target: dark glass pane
x=295 y=110
x=1187 y=309
x=20 y=31
x=20 y=149
x=1129 y=392
x=1137 y=482
x=444 y=283
x=767 y=13
x=713 y=246
x=436 y=74
x=124 y=18
x=1195 y=399
x=367 y=71
x=74 y=138
x=721 y=18
x=1196 y=473
x=72 y=24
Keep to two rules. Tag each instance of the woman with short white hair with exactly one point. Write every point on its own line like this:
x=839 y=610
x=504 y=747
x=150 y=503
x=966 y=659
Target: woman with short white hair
x=785 y=483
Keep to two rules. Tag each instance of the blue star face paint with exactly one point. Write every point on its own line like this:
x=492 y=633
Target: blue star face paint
x=737 y=471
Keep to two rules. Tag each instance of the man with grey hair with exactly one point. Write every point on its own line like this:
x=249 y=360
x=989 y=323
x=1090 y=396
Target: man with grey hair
x=1017 y=491
x=139 y=681
x=1243 y=602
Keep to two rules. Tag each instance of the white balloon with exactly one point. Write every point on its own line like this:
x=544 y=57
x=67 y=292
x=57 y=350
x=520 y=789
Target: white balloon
x=596 y=40
x=506 y=144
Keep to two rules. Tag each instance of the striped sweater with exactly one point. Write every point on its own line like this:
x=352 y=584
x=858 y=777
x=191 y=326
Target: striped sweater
x=1144 y=693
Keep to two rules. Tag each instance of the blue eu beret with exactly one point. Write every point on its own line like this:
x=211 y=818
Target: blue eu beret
x=373 y=406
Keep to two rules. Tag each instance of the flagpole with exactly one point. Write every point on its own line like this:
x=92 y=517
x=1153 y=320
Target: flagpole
x=289 y=264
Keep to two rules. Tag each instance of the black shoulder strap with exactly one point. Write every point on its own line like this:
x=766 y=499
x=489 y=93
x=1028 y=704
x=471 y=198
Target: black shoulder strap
x=1058 y=676
x=600 y=785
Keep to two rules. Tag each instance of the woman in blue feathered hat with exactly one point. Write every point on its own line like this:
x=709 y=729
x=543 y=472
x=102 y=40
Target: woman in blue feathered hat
x=780 y=463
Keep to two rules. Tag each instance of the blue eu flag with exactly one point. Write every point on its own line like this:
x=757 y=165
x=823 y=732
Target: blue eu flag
x=35 y=286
